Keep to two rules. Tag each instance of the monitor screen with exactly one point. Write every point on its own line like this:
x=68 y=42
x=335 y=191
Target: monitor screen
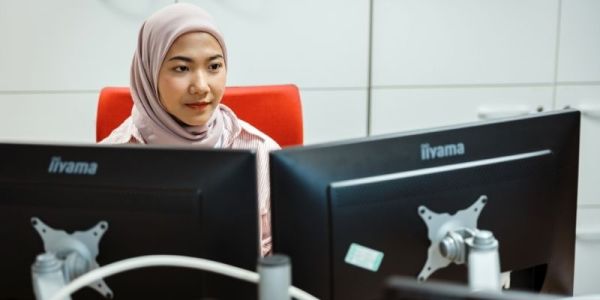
x=332 y=202
x=404 y=288
x=155 y=200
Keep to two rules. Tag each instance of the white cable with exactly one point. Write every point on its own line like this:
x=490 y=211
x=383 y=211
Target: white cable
x=300 y=294
x=166 y=261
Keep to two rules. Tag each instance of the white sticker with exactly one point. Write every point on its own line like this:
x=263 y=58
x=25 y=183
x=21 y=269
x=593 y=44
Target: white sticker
x=364 y=257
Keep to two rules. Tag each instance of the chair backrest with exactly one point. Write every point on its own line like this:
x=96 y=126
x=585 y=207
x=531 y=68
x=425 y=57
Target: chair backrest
x=274 y=110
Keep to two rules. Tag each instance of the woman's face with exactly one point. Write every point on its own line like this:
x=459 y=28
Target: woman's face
x=191 y=80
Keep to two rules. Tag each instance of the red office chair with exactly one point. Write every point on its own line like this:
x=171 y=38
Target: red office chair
x=274 y=110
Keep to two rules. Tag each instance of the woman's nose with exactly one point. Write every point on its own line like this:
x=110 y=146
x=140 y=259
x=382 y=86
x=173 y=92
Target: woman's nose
x=199 y=84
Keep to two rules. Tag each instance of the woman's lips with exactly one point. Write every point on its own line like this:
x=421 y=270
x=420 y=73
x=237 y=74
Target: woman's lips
x=198 y=105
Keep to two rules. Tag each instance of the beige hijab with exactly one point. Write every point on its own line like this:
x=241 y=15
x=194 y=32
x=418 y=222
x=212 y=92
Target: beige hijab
x=155 y=38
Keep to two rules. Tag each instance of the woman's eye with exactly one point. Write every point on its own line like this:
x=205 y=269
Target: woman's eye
x=181 y=69
x=215 y=66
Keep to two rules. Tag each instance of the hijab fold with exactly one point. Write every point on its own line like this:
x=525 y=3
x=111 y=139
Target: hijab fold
x=156 y=36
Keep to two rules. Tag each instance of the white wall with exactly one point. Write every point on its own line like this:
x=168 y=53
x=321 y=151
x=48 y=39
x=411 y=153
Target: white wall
x=55 y=56
x=429 y=62
x=412 y=64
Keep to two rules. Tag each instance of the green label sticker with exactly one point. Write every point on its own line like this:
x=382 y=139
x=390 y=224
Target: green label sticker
x=364 y=257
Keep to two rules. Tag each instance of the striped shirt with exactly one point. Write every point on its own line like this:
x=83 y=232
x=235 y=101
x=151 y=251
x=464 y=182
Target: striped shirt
x=248 y=138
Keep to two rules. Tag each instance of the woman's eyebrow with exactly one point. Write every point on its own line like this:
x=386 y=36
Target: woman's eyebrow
x=215 y=57
x=183 y=58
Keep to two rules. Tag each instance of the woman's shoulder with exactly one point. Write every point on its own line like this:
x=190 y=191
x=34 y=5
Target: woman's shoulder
x=251 y=136
x=126 y=133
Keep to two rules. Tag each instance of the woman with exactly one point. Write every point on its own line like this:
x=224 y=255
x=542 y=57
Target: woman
x=178 y=78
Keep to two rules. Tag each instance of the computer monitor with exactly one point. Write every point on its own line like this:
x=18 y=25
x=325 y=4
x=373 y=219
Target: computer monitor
x=404 y=288
x=155 y=200
x=332 y=201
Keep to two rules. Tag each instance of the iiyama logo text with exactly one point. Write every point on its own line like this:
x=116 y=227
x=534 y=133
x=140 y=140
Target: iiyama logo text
x=57 y=166
x=433 y=152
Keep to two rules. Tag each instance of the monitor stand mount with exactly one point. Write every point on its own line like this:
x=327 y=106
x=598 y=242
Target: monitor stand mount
x=66 y=257
x=456 y=239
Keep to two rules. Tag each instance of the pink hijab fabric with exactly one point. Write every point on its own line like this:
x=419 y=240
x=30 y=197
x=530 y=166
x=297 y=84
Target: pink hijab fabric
x=156 y=36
